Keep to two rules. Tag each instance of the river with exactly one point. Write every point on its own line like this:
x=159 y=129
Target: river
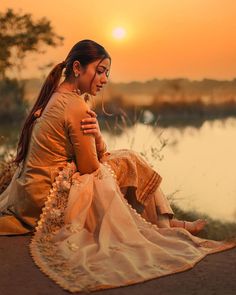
x=197 y=164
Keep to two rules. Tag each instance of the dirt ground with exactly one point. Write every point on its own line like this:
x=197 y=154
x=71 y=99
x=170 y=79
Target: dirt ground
x=214 y=275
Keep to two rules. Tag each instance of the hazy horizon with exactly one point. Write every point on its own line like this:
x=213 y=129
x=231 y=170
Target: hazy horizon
x=152 y=79
x=164 y=39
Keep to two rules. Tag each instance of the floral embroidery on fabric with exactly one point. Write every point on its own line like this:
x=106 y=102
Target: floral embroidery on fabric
x=105 y=230
x=52 y=220
x=43 y=246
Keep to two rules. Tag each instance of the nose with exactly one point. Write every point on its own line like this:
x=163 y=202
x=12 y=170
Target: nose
x=104 y=79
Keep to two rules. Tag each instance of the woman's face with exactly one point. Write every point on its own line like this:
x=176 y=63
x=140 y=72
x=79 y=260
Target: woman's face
x=94 y=77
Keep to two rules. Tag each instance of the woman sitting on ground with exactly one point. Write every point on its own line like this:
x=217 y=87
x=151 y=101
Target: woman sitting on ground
x=73 y=192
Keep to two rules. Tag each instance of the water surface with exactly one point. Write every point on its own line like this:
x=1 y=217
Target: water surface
x=199 y=163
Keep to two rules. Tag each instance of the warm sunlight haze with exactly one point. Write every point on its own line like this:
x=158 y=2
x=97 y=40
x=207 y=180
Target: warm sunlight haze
x=119 y=33
x=117 y=147
x=146 y=40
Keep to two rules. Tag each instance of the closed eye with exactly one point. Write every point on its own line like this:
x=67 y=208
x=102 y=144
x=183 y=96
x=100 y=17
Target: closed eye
x=104 y=70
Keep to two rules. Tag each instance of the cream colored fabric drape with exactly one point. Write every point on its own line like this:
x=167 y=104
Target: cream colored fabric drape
x=90 y=238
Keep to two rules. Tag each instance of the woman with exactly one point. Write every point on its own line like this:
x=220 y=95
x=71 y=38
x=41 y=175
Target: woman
x=74 y=193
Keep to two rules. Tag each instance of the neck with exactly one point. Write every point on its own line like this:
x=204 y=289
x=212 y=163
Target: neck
x=69 y=86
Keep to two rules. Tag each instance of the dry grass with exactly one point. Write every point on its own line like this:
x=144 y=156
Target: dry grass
x=7 y=170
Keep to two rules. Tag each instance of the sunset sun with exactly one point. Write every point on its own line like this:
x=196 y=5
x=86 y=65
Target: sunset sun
x=119 y=33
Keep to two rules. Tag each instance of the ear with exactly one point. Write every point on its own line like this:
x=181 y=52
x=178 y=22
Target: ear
x=76 y=67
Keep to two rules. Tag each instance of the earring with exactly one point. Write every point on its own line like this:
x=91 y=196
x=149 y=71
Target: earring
x=86 y=97
x=76 y=75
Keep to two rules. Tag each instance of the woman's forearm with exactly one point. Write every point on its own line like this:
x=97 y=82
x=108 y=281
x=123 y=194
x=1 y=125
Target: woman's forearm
x=101 y=146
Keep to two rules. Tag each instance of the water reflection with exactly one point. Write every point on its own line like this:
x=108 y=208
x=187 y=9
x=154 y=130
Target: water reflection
x=199 y=163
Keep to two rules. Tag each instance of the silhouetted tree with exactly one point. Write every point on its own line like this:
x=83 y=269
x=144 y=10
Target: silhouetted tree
x=20 y=35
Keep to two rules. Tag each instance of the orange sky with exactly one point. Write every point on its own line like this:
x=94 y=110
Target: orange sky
x=165 y=38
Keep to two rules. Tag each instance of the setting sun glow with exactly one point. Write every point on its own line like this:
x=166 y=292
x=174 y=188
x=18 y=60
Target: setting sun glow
x=158 y=39
x=119 y=33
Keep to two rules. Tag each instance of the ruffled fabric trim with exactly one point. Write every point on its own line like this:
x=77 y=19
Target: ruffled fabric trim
x=89 y=237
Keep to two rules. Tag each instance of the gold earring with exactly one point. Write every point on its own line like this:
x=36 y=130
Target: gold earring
x=76 y=75
x=86 y=97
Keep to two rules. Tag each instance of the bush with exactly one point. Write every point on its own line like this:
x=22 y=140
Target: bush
x=12 y=105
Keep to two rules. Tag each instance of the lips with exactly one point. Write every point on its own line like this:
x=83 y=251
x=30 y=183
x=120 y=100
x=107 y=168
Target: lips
x=99 y=87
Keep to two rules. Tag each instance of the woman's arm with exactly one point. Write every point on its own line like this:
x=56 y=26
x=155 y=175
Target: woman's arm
x=84 y=144
x=90 y=126
x=101 y=147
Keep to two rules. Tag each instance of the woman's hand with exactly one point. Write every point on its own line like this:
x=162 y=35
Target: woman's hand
x=91 y=126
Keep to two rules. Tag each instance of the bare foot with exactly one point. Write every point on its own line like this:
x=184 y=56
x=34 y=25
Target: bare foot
x=193 y=227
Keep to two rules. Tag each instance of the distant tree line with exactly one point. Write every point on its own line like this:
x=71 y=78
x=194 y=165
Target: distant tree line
x=169 y=101
x=20 y=35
